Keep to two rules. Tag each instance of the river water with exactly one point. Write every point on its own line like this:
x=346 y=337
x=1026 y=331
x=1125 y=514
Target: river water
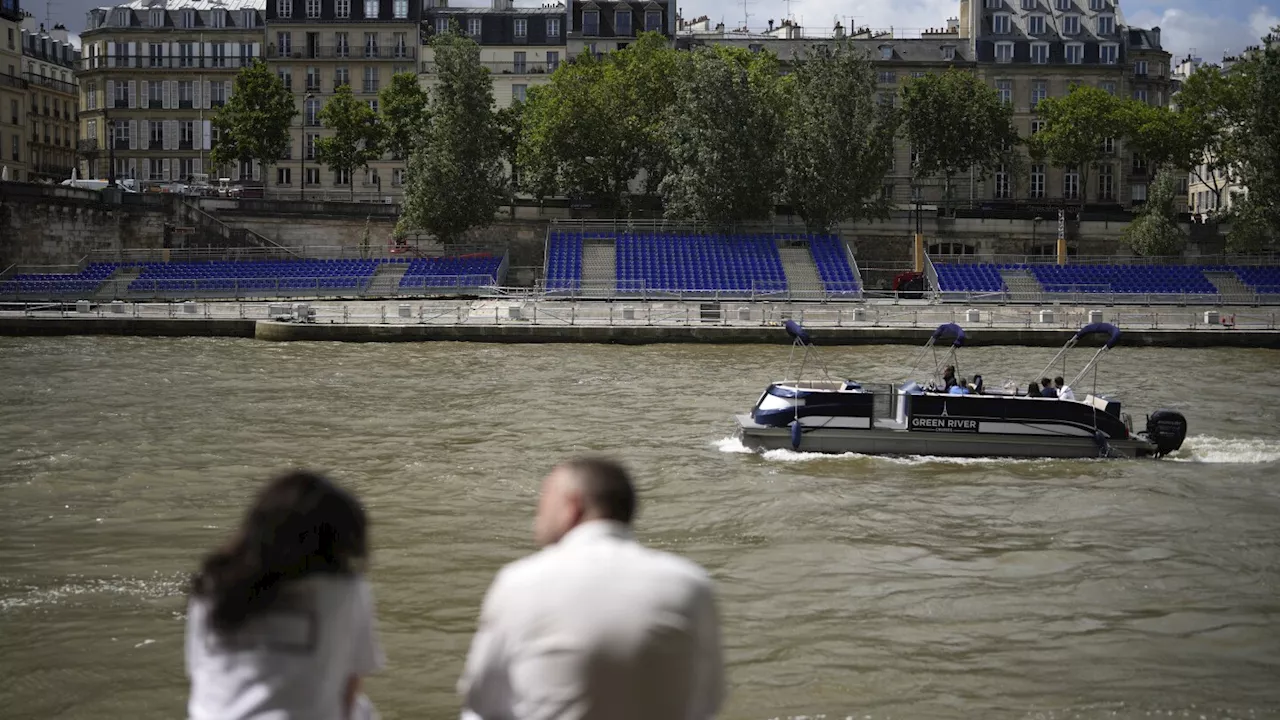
x=850 y=586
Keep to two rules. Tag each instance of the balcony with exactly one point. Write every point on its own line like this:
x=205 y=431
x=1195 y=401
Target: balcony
x=65 y=88
x=505 y=68
x=146 y=63
x=347 y=52
x=14 y=82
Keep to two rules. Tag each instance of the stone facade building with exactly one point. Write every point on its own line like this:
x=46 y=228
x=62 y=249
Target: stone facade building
x=49 y=65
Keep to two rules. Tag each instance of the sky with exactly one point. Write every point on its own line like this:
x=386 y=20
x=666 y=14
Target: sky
x=1205 y=29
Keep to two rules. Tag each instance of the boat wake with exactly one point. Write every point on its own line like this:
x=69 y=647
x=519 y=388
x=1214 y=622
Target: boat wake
x=1196 y=449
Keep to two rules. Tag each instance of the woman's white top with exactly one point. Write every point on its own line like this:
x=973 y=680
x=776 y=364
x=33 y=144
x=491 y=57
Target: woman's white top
x=292 y=662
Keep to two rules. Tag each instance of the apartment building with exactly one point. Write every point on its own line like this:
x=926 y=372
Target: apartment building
x=49 y=65
x=599 y=26
x=1030 y=50
x=521 y=46
x=152 y=76
x=316 y=46
x=13 y=94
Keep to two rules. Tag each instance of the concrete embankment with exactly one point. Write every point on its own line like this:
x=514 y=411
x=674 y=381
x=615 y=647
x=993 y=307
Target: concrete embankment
x=270 y=330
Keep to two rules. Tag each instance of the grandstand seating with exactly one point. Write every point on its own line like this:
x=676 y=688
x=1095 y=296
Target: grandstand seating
x=228 y=276
x=692 y=263
x=969 y=277
x=1259 y=279
x=1146 y=279
x=564 y=261
x=463 y=271
x=833 y=264
x=82 y=283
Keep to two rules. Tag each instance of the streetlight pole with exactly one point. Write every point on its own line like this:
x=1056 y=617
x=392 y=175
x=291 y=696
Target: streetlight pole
x=302 y=151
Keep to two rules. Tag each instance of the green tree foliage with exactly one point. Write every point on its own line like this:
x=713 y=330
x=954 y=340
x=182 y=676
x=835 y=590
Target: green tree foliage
x=403 y=106
x=254 y=124
x=724 y=135
x=598 y=124
x=1159 y=135
x=955 y=122
x=1259 y=148
x=838 y=140
x=1075 y=130
x=357 y=134
x=510 y=121
x=1210 y=105
x=1155 y=231
x=455 y=180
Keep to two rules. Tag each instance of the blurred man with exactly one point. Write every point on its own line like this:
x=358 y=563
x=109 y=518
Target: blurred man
x=594 y=626
x=1064 y=391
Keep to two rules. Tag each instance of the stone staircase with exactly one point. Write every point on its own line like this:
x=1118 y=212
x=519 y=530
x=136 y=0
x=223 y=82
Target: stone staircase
x=117 y=284
x=800 y=269
x=218 y=233
x=599 y=265
x=1230 y=287
x=386 y=279
x=1023 y=285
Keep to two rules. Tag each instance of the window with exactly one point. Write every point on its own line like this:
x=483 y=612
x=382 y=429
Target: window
x=91 y=127
x=886 y=77
x=121 y=134
x=1071 y=184
x=1106 y=24
x=155 y=135
x=341 y=76
x=1036 y=126
x=474 y=26
x=370 y=79
x=373 y=105
x=342 y=177
x=283 y=176
x=886 y=99
x=286 y=77
x=1107 y=53
x=1064 y=5
x=186 y=134
x=313 y=9
x=188 y=19
x=90 y=96
x=219 y=18
x=1140 y=68
x=1002 y=183
x=313 y=79
x=341 y=45
x=442 y=25
x=653 y=20
x=518 y=65
x=886 y=52
x=1108 y=146
x=553 y=27
x=948 y=52
x=1106 y=183
x=312 y=112
x=186 y=55
x=1028 y=4
x=1004 y=52
x=1040 y=53
x=950 y=248
x=886 y=192
x=1004 y=88
x=186 y=168
x=1138 y=192
x=519 y=92
x=1000 y=24
x=249 y=18
x=1097 y=5
x=155 y=95
x=370 y=9
x=1140 y=95
x=553 y=60
x=1037 y=181
x=284 y=8
x=591 y=22
x=155 y=169
x=284 y=44
x=400 y=46
x=342 y=8
x=397 y=177
x=1075 y=53
x=218 y=97
x=186 y=94
x=156 y=18
x=309 y=148
x=1039 y=91
x=1035 y=25
x=622 y=22
x=1109 y=88
x=993 y=4
x=313 y=175
x=122 y=95
x=219 y=58
x=1070 y=24
x=400 y=9
x=522 y=27
x=371 y=45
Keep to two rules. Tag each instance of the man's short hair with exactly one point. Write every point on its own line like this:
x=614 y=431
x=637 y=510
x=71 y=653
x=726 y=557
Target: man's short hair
x=1058 y=380
x=606 y=487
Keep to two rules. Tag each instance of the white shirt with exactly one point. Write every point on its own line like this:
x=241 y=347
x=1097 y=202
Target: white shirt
x=291 y=662
x=1065 y=393
x=596 y=627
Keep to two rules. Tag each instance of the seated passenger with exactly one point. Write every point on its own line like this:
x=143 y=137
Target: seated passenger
x=960 y=388
x=1033 y=390
x=1064 y=391
x=1047 y=389
x=977 y=384
x=949 y=377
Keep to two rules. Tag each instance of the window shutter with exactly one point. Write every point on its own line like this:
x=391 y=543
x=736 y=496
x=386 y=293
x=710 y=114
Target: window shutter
x=133 y=135
x=196 y=94
x=133 y=168
x=165 y=168
x=197 y=165
x=111 y=93
x=226 y=92
x=133 y=94
x=208 y=96
x=168 y=95
x=145 y=87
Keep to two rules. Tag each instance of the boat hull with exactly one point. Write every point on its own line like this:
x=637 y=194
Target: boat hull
x=900 y=442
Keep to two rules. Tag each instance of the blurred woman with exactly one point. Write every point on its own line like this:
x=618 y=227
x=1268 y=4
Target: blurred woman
x=280 y=622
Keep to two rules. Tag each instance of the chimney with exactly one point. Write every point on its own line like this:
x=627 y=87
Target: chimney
x=839 y=30
x=770 y=24
x=1155 y=36
x=953 y=24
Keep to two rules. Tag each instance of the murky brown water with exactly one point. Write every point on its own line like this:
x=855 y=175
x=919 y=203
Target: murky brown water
x=851 y=586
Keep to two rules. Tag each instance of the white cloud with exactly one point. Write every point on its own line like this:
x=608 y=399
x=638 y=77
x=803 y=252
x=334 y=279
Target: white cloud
x=1207 y=36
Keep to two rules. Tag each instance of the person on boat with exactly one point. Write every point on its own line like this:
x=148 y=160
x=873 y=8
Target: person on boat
x=977 y=384
x=949 y=378
x=1047 y=388
x=280 y=622
x=1033 y=390
x=960 y=388
x=1064 y=391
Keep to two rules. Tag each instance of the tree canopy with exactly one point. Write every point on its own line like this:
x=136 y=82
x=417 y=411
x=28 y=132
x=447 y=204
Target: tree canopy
x=1075 y=130
x=357 y=134
x=254 y=123
x=1155 y=231
x=404 y=113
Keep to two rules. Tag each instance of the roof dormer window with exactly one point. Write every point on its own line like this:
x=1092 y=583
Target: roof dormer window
x=886 y=52
x=122 y=17
x=948 y=52
x=155 y=18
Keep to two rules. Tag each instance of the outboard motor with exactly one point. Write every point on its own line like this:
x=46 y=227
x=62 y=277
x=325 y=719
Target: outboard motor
x=1167 y=429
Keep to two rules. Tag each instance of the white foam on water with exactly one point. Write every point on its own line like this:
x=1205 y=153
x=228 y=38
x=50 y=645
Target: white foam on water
x=734 y=445
x=1209 y=449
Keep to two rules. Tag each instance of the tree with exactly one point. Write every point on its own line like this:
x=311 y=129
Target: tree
x=724 y=135
x=1155 y=231
x=838 y=140
x=1210 y=105
x=254 y=124
x=1259 y=143
x=1075 y=129
x=404 y=110
x=357 y=136
x=1161 y=136
x=955 y=122
x=455 y=180
x=599 y=124
x=509 y=121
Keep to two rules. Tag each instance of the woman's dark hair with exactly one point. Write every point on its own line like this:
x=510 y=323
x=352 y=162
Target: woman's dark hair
x=301 y=524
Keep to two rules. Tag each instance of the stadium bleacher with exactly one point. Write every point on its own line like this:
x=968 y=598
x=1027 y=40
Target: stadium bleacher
x=256 y=275
x=1261 y=279
x=969 y=277
x=84 y=282
x=564 y=261
x=699 y=263
x=461 y=271
x=833 y=264
x=1115 y=278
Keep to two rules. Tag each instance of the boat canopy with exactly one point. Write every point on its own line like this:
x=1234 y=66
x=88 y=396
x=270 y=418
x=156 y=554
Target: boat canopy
x=949 y=330
x=797 y=333
x=1100 y=328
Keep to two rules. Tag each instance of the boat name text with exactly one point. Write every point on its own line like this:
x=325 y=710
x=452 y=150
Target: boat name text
x=942 y=423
